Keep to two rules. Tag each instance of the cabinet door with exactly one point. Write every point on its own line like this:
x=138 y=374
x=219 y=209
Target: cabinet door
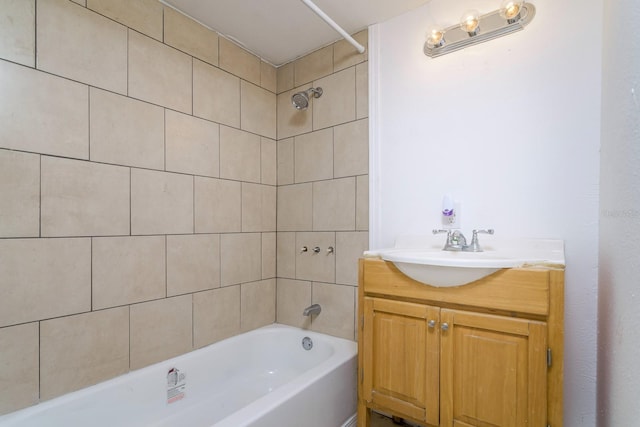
x=401 y=357
x=493 y=371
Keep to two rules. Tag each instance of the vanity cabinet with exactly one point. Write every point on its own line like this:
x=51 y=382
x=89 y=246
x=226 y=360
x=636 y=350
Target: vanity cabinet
x=484 y=354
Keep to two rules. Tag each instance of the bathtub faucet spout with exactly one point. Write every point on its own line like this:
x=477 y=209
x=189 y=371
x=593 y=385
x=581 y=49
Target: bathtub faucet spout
x=312 y=309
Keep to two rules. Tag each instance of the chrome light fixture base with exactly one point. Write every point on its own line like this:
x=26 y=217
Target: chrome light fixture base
x=491 y=26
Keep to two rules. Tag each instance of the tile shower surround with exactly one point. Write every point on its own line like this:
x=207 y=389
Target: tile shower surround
x=142 y=164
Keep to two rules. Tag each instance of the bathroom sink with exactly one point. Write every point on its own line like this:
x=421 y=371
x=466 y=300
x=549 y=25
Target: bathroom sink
x=423 y=259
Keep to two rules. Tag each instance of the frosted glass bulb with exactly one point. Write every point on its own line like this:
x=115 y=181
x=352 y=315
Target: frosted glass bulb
x=510 y=9
x=470 y=22
x=435 y=39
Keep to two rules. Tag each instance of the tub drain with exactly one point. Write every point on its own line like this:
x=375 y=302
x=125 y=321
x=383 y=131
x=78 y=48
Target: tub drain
x=307 y=344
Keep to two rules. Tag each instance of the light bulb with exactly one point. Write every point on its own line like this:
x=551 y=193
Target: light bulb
x=470 y=22
x=510 y=9
x=435 y=39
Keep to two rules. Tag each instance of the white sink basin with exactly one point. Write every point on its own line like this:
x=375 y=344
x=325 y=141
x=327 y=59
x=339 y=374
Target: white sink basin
x=423 y=259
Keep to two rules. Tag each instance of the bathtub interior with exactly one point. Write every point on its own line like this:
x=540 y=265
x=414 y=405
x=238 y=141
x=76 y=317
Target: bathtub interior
x=221 y=380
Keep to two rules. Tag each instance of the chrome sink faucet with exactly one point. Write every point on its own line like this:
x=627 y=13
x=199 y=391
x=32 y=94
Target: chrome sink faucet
x=456 y=242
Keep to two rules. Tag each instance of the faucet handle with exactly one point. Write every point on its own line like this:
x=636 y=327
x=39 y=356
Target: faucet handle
x=487 y=231
x=475 y=244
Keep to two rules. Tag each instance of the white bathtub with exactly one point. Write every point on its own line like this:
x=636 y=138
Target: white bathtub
x=263 y=378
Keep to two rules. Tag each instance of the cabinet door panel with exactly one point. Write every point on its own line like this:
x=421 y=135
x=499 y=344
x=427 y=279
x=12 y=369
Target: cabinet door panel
x=402 y=358
x=493 y=371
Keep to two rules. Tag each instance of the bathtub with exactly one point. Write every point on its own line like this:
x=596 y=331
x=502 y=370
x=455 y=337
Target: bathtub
x=262 y=378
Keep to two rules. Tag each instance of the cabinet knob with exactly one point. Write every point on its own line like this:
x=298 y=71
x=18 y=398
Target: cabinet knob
x=304 y=249
x=444 y=326
x=316 y=249
x=431 y=323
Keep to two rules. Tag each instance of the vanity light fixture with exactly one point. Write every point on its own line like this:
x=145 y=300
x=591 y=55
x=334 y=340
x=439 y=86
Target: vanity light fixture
x=474 y=28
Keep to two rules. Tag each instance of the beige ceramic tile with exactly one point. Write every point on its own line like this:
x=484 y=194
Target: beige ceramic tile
x=161 y=202
x=216 y=94
x=338 y=309
x=295 y=211
x=189 y=36
x=314 y=156
x=216 y=315
x=43 y=278
x=313 y=66
x=351 y=148
x=18 y=31
x=193 y=145
x=285 y=157
x=239 y=155
x=238 y=61
x=320 y=266
x=338 y=101
x=160 y=330
x=257 y=304
x=82 y=350
x=127 y=270
x=362 y=202
x=362 y=90
x=218 y=205
x=292 y=122
x=159 y=73
x=80 y=2
x=268 y=161
x=19 y=370
x=240 y=258
x=20 y=190
x=81 y=45
x=144 y=16
x=345 y=55
x=43 y=113
x=293 y=296
x=268 y=78
x=258 y=207
x=125 y=131
x=258 y=110
x=83 y=199
x=268 y=255
x=284 y=77
x=334 y=204
x=349 y=247
x=193 y=263
x=286 y=254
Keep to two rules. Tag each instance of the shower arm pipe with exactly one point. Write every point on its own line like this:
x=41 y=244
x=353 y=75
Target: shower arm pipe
x=333 y=25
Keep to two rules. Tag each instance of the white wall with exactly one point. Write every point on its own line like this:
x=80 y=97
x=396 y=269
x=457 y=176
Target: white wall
x=619 y=316
x=511 y=128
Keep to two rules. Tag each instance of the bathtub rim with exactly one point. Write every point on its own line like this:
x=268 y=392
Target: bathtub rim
x=347 y=350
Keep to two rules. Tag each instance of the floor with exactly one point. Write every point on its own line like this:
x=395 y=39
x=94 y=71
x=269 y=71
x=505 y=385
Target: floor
x=378 y=420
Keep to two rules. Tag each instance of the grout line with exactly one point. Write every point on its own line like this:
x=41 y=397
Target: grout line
x=40 y=199
x=130 y=201
x=35 y=35
x=39 y=360
x=89 y=122
x=91 y=273
x=193 y=204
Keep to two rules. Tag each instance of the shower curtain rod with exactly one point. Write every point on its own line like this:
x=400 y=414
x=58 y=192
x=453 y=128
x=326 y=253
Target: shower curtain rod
x=333 y=24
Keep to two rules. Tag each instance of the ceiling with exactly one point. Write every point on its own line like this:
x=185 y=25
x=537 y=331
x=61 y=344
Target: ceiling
x=281 y=30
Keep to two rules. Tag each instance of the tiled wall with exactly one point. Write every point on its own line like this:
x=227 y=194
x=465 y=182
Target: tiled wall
x=322 y=187
x=137 y=191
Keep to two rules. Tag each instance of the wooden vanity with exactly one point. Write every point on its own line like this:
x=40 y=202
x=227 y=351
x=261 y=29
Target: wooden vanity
x=489 y=353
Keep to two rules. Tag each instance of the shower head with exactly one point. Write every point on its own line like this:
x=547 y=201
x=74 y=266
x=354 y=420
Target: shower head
x=300 y=100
